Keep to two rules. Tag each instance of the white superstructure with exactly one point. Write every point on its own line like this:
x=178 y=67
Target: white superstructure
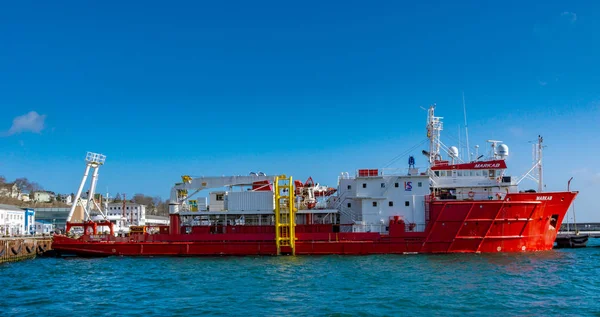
x=369 y=198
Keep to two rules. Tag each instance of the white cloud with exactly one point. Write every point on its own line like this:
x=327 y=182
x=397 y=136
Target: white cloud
x=542 y=83
x=516 y=131
x=30 y=122
x=570 y=16
x=581 y=171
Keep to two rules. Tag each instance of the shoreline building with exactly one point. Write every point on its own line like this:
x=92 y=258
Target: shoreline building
x=12 y=220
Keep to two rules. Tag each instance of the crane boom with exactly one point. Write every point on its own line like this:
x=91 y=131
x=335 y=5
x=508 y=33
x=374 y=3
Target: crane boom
x=179 y=191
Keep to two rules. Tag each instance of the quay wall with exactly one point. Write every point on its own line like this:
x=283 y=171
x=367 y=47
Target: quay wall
x=23 y=248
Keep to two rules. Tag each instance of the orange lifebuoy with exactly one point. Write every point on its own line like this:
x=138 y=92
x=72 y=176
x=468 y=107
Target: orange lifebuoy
x=471 y=194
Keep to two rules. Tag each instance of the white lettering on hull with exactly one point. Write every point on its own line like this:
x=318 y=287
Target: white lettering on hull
x=543 y=198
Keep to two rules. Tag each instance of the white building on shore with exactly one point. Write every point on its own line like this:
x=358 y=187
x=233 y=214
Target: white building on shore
x=135 y=214
x=43 y=227
x=12 y=220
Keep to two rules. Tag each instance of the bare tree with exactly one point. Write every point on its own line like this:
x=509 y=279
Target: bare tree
x=156 y=200
x=2 y=179
x=33 y=187
x=25 y=185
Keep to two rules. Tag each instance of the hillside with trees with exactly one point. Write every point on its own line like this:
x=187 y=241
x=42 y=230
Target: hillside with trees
x=154 y=205
x=25 y=187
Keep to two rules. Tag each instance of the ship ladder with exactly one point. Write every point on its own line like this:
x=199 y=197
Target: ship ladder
x=285 y=215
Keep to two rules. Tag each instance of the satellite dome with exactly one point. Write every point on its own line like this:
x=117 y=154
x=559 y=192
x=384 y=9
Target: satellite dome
x=453 y=152
x=503 y=150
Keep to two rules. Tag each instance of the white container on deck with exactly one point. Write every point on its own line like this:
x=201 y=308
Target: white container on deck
x=217 y=201
x=202 y=203
x=250 y=201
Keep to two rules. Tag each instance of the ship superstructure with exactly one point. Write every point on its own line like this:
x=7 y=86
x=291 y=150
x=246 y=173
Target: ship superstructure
x=371 y=196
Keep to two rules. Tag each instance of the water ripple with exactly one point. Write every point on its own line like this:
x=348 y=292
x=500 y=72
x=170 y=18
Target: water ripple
x=558 y=282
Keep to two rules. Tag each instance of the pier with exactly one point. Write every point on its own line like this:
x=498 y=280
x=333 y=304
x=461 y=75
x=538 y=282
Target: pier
x=23 y=248
x=591 y=234
x=576 y=235
x=591 y=229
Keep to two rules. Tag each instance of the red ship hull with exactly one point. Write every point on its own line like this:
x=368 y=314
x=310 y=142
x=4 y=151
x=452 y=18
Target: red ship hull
x=521 y=222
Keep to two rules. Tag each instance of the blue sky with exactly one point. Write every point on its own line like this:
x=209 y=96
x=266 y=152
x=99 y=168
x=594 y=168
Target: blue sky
x=306 y=89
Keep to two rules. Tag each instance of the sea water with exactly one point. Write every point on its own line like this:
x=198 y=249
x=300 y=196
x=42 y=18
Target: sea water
x=564 y=282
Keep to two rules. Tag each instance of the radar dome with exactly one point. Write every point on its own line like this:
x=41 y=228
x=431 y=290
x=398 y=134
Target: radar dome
x=453 y=151
x=503 y=150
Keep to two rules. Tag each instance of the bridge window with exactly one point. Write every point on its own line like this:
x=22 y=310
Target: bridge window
x=349 y=205
x=459 y=173
x=219 y=197
x=484 y=173
x=437 y=173
x=349 y=186
x=391 y=204
x=382 y=185
x=374 y=204
x=396 y=185
x=492 y=173
x=364 y=185
x=419 y=184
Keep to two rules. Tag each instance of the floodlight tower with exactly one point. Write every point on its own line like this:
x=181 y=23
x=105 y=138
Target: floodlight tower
x=93 y=160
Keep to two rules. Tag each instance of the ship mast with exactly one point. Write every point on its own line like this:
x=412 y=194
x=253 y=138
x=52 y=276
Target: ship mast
x=540 y=169
x=434 y=128
x=536 y=176
x=469 y=157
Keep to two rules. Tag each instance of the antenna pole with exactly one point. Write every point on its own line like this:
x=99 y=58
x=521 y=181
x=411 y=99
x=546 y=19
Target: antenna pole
x=466 y=128
x=124 y=200
x=459 y=148
x=540 y=169
x=434 y=126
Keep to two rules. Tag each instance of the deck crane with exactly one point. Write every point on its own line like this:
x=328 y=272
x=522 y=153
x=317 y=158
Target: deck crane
x=283 y=190
x=179 y=192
